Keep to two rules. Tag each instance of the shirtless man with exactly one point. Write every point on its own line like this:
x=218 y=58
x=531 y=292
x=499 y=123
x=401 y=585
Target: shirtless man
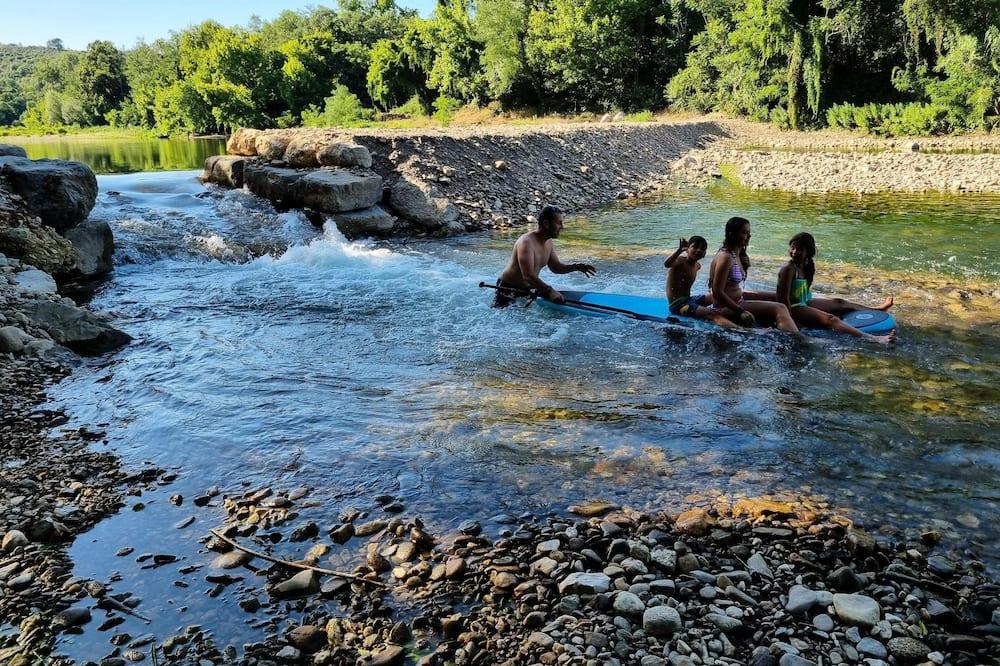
x=532 y=251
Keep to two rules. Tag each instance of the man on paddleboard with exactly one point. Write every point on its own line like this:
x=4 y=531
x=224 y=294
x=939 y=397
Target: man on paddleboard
x=532 y=251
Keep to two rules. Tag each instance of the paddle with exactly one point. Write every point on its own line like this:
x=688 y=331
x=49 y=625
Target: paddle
x=593 y=307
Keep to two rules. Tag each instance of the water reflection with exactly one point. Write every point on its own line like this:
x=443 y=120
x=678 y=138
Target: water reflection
x=124 y=155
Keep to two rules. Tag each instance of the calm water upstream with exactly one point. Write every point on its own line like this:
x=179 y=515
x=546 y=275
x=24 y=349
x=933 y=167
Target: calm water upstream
x=359 y=368
x=122 y=155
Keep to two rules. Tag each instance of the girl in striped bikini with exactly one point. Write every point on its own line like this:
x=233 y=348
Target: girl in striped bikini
x=726 y=277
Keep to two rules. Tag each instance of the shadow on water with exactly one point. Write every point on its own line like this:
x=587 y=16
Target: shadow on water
x=268 y=354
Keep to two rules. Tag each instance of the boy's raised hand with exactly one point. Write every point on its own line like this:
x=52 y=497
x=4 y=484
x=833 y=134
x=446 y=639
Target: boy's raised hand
x=682 y=244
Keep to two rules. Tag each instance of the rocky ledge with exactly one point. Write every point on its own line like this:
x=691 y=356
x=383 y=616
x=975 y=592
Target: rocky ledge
x=384 y=182
x=47 y=244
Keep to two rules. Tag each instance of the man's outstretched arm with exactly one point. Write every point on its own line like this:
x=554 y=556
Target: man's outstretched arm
x=560 y=268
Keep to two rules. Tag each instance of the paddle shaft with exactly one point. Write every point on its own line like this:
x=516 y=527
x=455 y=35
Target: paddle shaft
x=595 y=307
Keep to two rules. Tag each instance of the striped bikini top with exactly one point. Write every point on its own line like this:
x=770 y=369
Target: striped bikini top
x=736 y=275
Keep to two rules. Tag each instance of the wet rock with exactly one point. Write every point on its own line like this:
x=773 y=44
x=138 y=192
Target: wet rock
x=336 y=191
x=232 y=559
x=35 y=281
x=225 y=170
x=72 y=617
x=305 y=532
x=95 y=248
x=11 y=150
x=370 y=528
x=789 y=659
x=81 y=330
x=289 y=654
x=308 y=638
x=421 y=203
x=455 y=567
x=593 y=508
x=334 y=587
x=694 y=521
x=342 y=533
x=302 y=583
x=372 y=221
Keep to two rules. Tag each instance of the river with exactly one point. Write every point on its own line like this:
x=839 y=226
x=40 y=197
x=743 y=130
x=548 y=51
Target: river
x=269 y=353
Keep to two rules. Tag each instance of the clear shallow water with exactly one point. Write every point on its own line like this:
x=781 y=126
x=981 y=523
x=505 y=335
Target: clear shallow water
x=358 y=369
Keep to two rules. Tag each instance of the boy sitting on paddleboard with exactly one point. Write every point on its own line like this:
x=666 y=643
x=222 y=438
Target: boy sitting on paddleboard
x=684 y=266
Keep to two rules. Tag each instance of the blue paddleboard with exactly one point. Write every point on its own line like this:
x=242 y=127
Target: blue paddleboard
x=652 y=308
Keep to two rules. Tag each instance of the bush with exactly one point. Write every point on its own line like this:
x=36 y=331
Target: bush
x=779 y=117
x=914 y=119
x=841 y=115
x=445 y=107
x=414 y=108
x=342 y=108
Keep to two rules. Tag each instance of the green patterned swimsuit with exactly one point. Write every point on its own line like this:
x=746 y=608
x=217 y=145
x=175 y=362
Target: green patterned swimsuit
x=801 y=294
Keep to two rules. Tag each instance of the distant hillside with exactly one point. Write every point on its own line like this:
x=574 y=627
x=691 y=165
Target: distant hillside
x=17 y=62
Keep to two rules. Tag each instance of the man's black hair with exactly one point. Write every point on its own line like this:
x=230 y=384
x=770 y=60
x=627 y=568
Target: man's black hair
x=698 y=241
x=548 y=213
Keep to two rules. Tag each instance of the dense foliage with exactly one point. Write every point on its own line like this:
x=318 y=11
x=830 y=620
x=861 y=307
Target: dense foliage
x=883 y=66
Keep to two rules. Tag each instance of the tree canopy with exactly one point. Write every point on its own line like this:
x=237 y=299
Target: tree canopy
x=885 y=66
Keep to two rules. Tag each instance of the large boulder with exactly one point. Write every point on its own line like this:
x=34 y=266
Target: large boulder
x=10 y=150
x=374 y=221
x=270 y=147
x=344 y=155
x=225 y=170
x=301 y=152
x=243 y=142
x=80 y=330
x=421 y=203
x=61 y=193
x=272 y=182
x=338 y=191
x=95 y=248
x=39 y=246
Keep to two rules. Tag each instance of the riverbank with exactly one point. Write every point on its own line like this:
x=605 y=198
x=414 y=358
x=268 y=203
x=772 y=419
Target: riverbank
x=763 y=581
x=762 y=157
x=55 y=487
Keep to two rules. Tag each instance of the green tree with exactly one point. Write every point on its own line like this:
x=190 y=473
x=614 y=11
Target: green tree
x=101 y=81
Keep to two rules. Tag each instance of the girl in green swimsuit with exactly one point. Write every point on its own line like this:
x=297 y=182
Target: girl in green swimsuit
x=795 y=291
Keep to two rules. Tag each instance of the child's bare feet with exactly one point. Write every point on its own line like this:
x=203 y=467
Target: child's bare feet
x=884 y=339
x=889 y=301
